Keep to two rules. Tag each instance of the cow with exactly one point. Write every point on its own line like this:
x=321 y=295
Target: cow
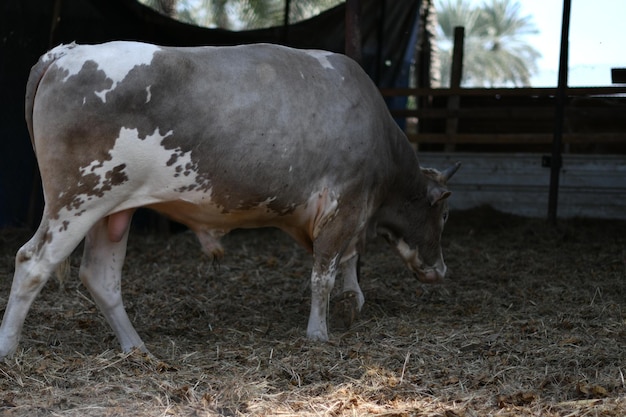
x=218 y=138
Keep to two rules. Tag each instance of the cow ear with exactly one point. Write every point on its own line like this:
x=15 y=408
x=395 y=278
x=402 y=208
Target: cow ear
x=437 y=193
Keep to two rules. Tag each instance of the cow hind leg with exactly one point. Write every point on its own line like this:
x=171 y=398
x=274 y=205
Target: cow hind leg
x=101 y=273
x=53 y=242
x=349 y=303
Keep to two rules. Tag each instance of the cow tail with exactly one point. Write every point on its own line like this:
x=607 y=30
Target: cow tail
x=36 y=74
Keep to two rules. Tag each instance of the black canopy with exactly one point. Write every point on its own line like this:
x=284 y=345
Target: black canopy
x=30 y=27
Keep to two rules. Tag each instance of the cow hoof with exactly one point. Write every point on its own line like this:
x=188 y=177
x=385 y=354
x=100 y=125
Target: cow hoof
x=7 y=350
x=317 y=336
x=347 y=308
x=141 y=355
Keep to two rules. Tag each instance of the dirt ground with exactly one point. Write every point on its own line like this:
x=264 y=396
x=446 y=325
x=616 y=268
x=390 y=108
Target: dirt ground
x=531 y=321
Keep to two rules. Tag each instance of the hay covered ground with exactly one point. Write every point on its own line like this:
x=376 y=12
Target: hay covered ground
x=530 y=322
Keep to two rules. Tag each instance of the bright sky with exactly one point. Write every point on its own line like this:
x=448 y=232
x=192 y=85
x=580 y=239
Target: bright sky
x=597 y=40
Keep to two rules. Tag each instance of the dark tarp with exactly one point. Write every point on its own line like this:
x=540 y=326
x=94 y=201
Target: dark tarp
x=30 y=27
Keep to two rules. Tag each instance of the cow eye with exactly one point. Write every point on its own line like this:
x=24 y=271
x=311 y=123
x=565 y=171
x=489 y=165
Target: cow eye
x=445 y=216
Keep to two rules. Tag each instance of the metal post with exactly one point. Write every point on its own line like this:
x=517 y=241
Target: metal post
x=456 y=75
x=380 y=41
x=54 y=26
x=286 y=22
x=353 y=30
x=557 y=159
x=456 y=72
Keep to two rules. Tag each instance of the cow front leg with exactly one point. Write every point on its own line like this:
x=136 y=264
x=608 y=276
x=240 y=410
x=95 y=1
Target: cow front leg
x=322 y=281
x=101 y=273
x=351 y=273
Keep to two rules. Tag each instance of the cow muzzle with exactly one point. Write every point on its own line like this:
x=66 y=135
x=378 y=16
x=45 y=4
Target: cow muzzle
x=424 y=273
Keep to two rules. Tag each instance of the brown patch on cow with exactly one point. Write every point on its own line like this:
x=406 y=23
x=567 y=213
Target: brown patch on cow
x=64 y=226
x=34 y=282
x=23 y=256
x=47 y=238
x=173 y=160
x=116 y=176
x=92 y=185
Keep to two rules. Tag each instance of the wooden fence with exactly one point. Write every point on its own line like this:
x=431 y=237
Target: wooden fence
x=503 y=137
x=512 y=116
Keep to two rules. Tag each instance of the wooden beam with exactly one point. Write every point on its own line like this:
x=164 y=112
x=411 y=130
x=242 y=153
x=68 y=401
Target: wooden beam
x=557 y=158
x=503 y=92
x=456 y=74
x=618 y=75
x=515 y=138
x=510 y=112
x=286 y=13
x=54 y=26
x=353 y=30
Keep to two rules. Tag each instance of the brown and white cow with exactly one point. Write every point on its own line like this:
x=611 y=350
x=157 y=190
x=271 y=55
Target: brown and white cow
x=218 y=138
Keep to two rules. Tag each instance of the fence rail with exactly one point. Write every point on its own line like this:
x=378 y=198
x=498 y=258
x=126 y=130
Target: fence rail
x=593 y=115
x=504 y=92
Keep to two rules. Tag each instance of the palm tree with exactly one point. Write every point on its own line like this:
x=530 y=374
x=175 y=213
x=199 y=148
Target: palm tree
x=495 y=50
x=239 y=14
x=208 y=13
x=167 y=7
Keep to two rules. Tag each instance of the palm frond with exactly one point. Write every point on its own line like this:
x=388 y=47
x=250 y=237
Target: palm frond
x=496 y=51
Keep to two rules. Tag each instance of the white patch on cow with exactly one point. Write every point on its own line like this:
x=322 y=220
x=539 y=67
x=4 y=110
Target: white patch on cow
x=409 y=255
x=149 y=94
x=322 y=57
x=116 y=59
x=102 y=95
x=425 y=273
x=145 y=164
x=57 y=52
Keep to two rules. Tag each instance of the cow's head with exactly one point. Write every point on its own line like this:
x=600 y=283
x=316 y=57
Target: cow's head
x=413 y=224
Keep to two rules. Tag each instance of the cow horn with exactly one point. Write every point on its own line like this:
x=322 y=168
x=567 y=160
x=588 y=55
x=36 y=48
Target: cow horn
x=449 y=172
